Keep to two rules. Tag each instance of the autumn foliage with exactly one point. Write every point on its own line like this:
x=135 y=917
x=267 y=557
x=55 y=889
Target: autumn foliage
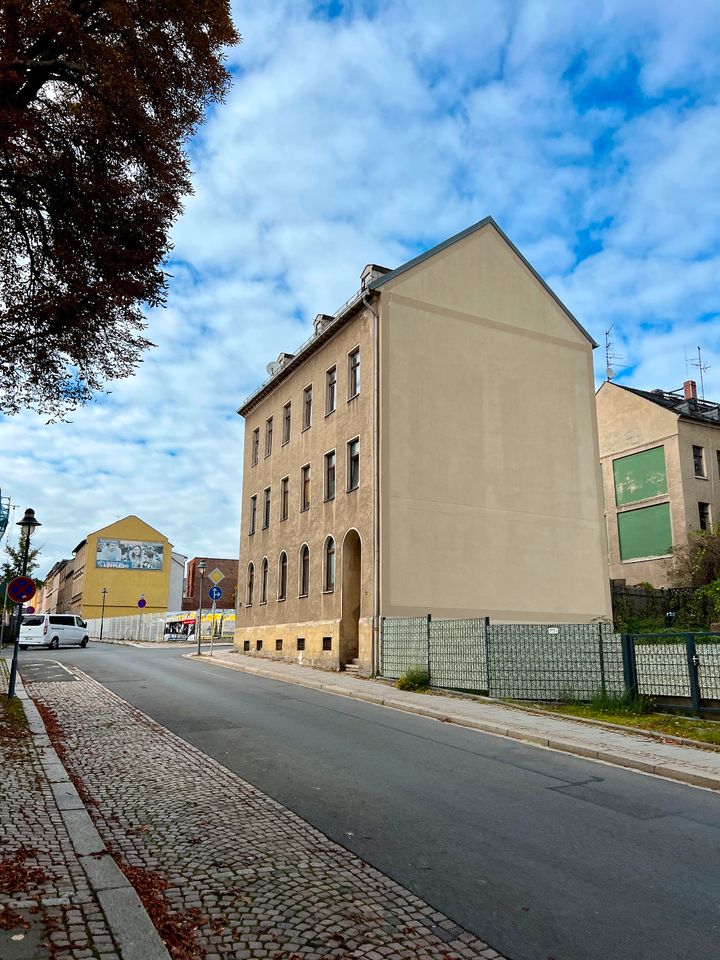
x=97 y=100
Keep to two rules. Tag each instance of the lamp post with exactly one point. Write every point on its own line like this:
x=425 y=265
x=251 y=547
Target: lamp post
x=198 y=629
x=102 y=612
x=27 y=526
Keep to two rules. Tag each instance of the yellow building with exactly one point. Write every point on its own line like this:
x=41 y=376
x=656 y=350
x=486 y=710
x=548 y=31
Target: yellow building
x=130 y=559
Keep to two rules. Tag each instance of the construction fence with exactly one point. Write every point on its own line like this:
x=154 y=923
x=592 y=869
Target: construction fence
x=163 y=627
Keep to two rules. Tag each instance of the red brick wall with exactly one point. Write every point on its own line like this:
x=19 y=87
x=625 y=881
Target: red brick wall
x=228 y=585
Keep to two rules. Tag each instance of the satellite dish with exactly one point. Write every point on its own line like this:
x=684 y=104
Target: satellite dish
x=609 y=373
x=273 y=367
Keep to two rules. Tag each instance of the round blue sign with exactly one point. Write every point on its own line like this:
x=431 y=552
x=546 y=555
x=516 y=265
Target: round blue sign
x=215 y=593
x=142 y=602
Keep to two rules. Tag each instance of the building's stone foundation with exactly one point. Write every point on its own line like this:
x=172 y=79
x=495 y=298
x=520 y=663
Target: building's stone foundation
x=262 y=641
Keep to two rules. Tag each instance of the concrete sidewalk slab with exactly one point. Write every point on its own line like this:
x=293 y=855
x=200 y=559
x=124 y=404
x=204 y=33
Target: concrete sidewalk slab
x=641 y=752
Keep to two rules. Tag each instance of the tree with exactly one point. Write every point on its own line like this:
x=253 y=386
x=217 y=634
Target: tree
x=97 y=100
x=696 y=563
x=13 y=567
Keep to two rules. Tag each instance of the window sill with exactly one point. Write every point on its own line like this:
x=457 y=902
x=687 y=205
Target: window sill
x=281 y=599
x=329 y=499
x=326 y=592
x=265 y=526
x=304 y=509
x=700 y=477
x=302 y=596
x=267 y=456
x=285 y=442
x=329 y=413
x=352 y=489
x=353 y=397
x=282 y=519
x=304 y=429
x=263 y=603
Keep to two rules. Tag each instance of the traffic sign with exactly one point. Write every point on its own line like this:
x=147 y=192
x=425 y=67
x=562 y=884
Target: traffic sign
x=29 y=609
x=216 y=576
x=21 y=589
x=215 y=593
x=142 y=602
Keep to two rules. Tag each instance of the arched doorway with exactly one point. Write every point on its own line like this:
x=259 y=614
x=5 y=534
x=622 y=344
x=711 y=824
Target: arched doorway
x=351 y=582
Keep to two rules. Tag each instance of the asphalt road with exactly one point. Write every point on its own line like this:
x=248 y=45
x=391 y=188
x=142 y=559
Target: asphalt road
x=540 y=854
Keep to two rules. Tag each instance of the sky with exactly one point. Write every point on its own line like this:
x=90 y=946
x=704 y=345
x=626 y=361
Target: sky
x=366 y=132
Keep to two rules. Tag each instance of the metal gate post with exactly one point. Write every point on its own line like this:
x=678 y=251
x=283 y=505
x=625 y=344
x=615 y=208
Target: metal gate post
x=429 y=618
x=627 y=643
x=693 y=660
x=601 y=652
x=487 y=655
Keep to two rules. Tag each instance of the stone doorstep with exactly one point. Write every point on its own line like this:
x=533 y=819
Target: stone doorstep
x=666 y=769
x=132 y=928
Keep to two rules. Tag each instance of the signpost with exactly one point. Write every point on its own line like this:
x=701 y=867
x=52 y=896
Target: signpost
x=142 y=603
x=215 y=594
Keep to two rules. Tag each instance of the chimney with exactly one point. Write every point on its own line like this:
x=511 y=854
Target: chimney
x=690 y=390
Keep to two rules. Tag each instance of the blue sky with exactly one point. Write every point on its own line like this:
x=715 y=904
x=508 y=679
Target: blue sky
x=365 y=132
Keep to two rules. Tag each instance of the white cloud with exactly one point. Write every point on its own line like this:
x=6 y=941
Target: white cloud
x=589 y=131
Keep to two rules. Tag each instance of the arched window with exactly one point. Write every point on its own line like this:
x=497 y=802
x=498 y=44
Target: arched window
x=304 y=570
x=282 y=576
x=329 y=581
x=264 y=581
x=250 y=584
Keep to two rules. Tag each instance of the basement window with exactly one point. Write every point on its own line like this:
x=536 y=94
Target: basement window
x=246 y=646
x=278 y=644
x=301 y=643
x=258 y=644
x=327 y=643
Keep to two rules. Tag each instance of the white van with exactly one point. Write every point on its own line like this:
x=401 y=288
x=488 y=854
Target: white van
x=52 y=630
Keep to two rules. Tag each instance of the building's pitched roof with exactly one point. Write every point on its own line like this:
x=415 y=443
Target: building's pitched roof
x=705 y=411
x=341 y=316
x=485 y=222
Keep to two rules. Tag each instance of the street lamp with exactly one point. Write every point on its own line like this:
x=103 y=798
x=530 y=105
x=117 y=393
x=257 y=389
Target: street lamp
x=102 y=612
x=27 y=526
x=202 y=566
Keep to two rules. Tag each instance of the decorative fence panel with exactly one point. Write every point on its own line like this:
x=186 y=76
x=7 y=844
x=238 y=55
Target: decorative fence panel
x=405 y=644
x=562 y=662
x=662 y=668
x=458 y=654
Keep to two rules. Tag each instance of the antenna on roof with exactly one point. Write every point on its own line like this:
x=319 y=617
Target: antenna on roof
x=702 y=367
x=273 y=367
x=609 y=355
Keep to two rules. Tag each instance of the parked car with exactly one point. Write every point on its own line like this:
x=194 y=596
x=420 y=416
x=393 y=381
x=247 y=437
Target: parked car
x=52 y=630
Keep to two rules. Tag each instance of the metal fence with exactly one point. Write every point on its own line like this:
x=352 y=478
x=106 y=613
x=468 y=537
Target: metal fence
x=555 y=662
x=151 y=627
x=519 y=661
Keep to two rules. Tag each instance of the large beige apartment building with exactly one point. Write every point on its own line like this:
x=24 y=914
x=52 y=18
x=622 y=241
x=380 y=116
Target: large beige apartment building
x=431 y=449
x=660 y=454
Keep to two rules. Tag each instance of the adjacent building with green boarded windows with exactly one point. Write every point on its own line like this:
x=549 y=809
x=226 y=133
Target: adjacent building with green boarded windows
x=660 y=455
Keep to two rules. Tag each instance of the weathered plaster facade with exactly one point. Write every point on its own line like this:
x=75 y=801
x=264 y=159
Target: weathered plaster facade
x=479 y=416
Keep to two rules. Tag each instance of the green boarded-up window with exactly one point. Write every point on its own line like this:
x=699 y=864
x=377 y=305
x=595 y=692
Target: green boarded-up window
x=645 y=532
x=640 y=476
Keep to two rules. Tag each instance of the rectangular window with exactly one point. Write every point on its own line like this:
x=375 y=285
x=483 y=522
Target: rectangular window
x=287 y=410
x=246 y=645
x=305 y=487
x=284 y=497
x=307 y=408
x=278 y=644
x=301 y=643
x=353 y=464
x=329 y=482
x=268 y=436
x=699 y=461
x=354 y=373
x=255 y=446
x=330 y=390
x=253 y=515
x=704 y=512
x=327 y=643
x=258 y=644
x=266 y=507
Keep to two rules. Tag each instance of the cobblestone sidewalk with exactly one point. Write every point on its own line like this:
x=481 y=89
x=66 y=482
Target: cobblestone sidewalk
x=238 y=874
x=47 y=908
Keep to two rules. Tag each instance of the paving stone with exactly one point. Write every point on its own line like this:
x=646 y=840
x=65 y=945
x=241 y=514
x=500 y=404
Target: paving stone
x=262 y=880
